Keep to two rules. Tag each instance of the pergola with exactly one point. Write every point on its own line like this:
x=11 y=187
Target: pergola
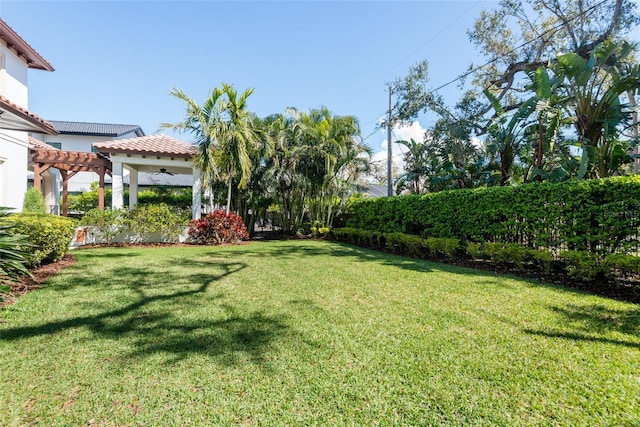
x=68 y=163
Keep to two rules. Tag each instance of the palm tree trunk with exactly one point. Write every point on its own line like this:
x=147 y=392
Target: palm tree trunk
x=229 y=195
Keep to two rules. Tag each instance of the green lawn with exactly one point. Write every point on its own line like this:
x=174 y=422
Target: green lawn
x=311 y=333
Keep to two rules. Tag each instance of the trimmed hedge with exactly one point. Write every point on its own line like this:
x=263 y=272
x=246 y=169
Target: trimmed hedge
x=582 y=266
x=50 y=235
x=600 y=216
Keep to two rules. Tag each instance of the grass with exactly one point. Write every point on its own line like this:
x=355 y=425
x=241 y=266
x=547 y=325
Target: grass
x=311 y=333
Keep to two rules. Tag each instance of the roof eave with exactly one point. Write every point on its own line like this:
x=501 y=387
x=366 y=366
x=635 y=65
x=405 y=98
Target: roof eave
x=23 y=49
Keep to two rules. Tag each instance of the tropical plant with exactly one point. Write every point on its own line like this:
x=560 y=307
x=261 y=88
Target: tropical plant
x=13 y=252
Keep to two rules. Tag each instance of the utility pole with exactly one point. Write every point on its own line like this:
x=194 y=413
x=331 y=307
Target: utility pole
x=389 y=150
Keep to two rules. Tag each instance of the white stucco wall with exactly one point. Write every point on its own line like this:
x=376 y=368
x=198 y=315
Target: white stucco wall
x=13 y=168
x=13 y=145
x=14 y=77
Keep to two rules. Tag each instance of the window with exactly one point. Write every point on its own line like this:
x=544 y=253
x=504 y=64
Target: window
x=57 y=145
x=94 y=149
x=1 y=61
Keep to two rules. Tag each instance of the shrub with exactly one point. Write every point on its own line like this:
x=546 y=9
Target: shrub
x=34 y=202
x=404 y=243
x=626 y=264
x=582 y=265
x=475 y=250
x=442 y=247
x=144 y=220
x=108 y=222
x=14 y=256
x=50 y=235
x=216 y=228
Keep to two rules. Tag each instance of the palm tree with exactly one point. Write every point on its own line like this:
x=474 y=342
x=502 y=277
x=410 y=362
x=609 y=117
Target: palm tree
x=238 y=139
x=225 y=135
x=201 y=122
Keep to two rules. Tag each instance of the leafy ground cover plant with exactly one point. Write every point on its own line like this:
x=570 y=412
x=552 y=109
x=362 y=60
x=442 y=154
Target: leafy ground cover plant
x=217 y=227
x=13 y=254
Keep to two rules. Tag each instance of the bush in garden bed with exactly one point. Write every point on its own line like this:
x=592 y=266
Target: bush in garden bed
x=48 y=235
x=217 y=227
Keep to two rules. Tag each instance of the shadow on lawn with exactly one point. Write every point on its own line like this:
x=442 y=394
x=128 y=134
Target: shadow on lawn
x=588 y=323
x=157 y=322
x=333 y=249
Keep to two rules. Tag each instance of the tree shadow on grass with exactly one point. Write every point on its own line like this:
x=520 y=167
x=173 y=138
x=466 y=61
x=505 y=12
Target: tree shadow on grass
x=296 y=251
x=151 y=324
x=591 y=322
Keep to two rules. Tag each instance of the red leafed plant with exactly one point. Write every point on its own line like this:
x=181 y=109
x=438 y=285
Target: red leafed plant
x=216 y=228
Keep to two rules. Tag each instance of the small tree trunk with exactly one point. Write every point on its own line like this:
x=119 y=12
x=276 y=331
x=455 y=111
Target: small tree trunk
x=229 y=181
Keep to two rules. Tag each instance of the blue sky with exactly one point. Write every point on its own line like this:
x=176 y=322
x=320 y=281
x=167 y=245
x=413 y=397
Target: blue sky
x=116 y=61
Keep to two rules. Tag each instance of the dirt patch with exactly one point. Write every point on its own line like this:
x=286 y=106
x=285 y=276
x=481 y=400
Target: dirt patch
x=40 y=275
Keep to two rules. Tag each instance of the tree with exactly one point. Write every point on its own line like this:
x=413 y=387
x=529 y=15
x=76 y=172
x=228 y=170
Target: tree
x=520 y=36
x=594 y=87
x=202 y=122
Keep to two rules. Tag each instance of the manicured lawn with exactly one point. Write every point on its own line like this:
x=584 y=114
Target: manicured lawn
x=311 y=333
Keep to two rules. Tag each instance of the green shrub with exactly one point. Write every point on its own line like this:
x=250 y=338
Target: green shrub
x=404 y=243
x=626 y=264
x=541 y=258
x=50 y=235
x=108 y=222
x=507 y=253
x=34 y=202
x=144 y=220
x=474 y=250
x=582 y=265
x=439 y=247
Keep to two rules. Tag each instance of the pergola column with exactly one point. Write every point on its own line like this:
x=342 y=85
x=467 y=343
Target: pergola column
x=101 y=172
x=196 y=194
x=133 y=187
x=117 y=185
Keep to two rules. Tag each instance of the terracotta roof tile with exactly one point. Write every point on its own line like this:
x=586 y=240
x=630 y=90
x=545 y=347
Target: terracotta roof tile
x=157 y=145
x=26 y=115
x=36 y=143
x=24 y=49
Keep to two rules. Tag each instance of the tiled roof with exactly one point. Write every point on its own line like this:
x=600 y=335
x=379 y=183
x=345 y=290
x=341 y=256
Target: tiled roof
x=36 y=143
x=157 y=145
x=22 y=115
x=95 y=129
x=17 y=43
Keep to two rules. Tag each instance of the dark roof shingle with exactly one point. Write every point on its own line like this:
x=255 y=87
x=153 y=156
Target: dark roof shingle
x=95 y=129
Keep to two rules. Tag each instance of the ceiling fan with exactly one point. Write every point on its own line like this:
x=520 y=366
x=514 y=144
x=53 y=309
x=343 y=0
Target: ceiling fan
x=164 y=170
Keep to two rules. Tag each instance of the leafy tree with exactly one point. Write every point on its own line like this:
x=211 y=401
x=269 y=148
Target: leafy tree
x=520 y=36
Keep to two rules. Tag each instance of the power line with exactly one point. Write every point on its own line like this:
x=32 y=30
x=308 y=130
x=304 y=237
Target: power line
x=498 y=57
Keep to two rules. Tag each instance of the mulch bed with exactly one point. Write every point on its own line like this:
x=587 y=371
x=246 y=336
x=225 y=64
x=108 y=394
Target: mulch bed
x=40 y=275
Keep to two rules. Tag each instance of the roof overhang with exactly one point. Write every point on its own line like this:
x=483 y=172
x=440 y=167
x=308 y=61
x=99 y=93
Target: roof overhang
x=14 y=117
x=22 y=48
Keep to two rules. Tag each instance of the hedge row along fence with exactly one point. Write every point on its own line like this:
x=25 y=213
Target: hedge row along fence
x=598 y=216
x=579 y=265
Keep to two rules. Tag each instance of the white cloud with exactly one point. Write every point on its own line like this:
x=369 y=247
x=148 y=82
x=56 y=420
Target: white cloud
x=413 y=131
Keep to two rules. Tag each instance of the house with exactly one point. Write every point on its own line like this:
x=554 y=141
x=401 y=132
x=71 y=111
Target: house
x=17 y=57
x=78 y=136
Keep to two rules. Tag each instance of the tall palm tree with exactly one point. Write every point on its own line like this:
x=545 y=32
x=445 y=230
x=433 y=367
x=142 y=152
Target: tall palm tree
x=238 y=138
x=225 y=135
x=201 y=122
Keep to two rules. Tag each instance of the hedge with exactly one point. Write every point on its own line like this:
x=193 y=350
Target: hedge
x=600 y=216
x=50 y=235
x=583 y=266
